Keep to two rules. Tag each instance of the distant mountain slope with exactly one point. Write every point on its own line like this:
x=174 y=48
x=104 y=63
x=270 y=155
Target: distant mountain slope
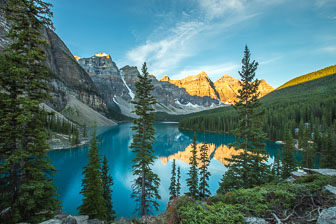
x=312 y=102
x=310 y=76
x=224 y=89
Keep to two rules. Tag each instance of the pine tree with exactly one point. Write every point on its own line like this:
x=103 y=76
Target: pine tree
x=178 y=182
x=27 y=193
x=85 y=131
x=204 y=173
x=107 y=194
x=93 y=203
x=172 y=187
x=192 y=180
x=249 y=168
x=328 y=151
x=288 y=159
x=277 y=165
x=146 y=184
x=308 y=149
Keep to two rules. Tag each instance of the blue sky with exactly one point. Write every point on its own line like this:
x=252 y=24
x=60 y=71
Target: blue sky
x=179 y=38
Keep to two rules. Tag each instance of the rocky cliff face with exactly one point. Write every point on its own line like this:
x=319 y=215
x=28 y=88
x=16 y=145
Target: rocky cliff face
x=225 y=89
x=68 y=77
x=196 y=85
x=117 y=86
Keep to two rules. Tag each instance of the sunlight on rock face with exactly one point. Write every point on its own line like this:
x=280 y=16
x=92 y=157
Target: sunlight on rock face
x=186 y=154
x=102 y=55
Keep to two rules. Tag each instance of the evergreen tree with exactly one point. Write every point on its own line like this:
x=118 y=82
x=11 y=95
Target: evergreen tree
x=172 y=187
x=93 y=203
x=288 y=160
x=328 y=151
x=277 y=165
x=308 y=149
x=192 y=180
x=178 y=182
x=204 y=173
x=107 y=194
x=85 y=131
x=146 y=184
x=26 y=187
x=248 y=166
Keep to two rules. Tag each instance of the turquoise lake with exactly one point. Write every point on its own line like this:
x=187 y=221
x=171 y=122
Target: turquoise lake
x=114 y=142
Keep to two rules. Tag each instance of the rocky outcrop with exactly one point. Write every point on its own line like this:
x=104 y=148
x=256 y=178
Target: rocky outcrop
x=327 y=216
x=196 y=85
x=228 y=87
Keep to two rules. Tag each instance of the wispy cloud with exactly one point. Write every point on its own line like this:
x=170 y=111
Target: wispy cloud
x=169 y=51
x=213 y=71
x=166 y=47
x=328 y=49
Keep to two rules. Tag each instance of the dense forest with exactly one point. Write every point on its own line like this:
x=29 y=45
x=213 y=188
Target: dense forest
x=311 y=103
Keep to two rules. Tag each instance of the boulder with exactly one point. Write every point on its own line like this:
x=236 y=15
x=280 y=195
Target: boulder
x=330 y=189
x=297 y=174
x=325 y=172
x=255 y=220
x=327 y=216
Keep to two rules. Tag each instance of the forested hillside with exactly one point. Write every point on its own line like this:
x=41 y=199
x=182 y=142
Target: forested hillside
x=312 y=102
x=310 y=76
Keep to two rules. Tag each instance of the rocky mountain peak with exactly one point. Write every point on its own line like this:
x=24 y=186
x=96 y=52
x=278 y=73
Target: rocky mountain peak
x=76 y=57
x=102 y=54
x=99 y=64
x=165 y=78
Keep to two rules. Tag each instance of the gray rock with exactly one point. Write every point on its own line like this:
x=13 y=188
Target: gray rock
x=330 y=189
x=325 y=172
x=70 y=220
x=52 y=221
x=255 y=220
x=327 y=216
x=297 y=174
x=290 y=179
x=150 y=220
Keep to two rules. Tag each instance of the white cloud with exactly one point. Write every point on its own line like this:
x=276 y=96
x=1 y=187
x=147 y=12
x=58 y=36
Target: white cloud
x=169 y=51
x=213 y=71
x=329 y=49
x=218 y=8
x=166 y=48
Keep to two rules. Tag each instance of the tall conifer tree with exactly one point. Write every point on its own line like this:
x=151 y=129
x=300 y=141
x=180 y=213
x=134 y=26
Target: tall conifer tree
x=172 y=187
x=248 y=167
x=328 y=150
x=288 y=159
x=308 y=149
x=107 y=194
x=192 y=180
x=146 y=184
x=93 y=203
x=204 y=173
x=178 y=182
x=26 y=187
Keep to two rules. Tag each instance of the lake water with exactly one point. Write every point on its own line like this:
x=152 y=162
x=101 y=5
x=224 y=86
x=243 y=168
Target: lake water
x=170 y=143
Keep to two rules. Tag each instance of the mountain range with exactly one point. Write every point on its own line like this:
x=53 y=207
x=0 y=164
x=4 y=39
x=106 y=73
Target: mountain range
x=94 y=89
